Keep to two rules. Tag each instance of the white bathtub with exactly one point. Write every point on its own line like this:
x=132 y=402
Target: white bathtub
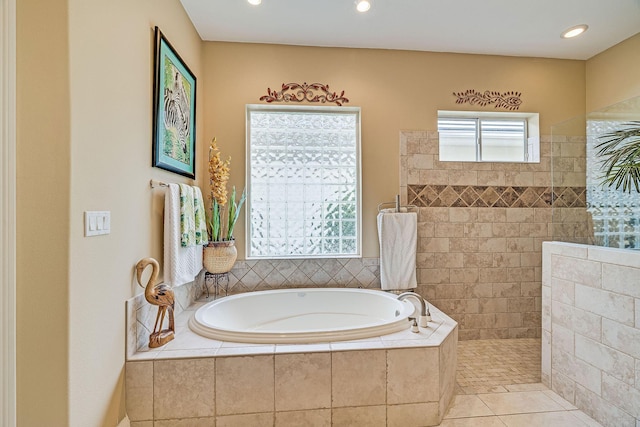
x=306 y=315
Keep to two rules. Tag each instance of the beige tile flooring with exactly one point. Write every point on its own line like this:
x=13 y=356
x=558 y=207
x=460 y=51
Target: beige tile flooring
x=498 y=385
x=486 y=366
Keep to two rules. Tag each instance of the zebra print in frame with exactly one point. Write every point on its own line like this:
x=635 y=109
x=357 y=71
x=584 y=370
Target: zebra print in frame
x=174 y=111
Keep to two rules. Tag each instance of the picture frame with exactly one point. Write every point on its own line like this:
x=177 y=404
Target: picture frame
x=174 y=111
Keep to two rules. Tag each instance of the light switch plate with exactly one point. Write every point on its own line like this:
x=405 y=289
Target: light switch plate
x=97 y=223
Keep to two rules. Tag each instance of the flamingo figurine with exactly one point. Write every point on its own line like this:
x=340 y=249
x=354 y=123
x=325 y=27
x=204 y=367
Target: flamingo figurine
x=161 y=295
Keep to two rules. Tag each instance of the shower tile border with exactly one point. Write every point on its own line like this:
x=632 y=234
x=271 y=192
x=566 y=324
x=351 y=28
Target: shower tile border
x=504 y=196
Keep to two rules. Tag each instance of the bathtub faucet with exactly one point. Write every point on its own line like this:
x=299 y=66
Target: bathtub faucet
x=425 y=315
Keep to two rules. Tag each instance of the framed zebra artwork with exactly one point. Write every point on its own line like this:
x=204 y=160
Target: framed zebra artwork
x=174 y=111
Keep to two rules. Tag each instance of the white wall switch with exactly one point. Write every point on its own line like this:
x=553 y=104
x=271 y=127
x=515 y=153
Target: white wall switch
x=97 y=223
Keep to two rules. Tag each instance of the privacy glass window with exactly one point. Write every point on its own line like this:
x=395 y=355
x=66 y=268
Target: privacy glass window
x=483 y=139
x=304 y=182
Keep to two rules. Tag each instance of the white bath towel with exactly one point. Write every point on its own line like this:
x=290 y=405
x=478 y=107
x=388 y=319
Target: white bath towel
x=398 y=236
x=181 y=264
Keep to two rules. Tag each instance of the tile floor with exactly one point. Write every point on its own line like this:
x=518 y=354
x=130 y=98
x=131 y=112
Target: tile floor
x=486 y=366
x=498 y=385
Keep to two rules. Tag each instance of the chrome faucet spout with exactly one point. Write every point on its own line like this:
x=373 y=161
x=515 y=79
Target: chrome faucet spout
x=425 y=315
x=423 y=306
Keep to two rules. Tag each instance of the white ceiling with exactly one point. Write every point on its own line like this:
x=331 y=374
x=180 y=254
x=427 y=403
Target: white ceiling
x=497 y=27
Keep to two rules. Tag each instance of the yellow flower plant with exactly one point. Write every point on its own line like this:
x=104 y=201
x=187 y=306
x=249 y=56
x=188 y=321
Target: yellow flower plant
x=218 y=174
x=218 y=177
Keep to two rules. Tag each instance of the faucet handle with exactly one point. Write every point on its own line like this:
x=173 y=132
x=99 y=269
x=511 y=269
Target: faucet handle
x=424 y=320
x=414 y=325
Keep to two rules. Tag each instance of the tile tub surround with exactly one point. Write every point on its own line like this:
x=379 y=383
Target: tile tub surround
x=262 y=275
x=401 y=379
x=141 y=315
x=591 y=329
x=257 y=275
x=481 y=228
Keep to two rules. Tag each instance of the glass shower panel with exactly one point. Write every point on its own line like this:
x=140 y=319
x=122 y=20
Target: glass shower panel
x=602 y=215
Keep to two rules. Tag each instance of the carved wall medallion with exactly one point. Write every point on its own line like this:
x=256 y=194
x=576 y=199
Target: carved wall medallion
x=506 y=100
x=314 y=92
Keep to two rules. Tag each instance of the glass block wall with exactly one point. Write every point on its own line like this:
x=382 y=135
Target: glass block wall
x=609 y=217
x=615 y=213
x=304 y=177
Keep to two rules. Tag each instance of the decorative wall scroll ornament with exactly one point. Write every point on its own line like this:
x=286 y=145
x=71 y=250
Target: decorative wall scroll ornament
x=304 y=92
x=506 y=100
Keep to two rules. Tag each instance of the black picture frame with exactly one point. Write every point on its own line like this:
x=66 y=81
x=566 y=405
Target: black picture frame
x=174 y=111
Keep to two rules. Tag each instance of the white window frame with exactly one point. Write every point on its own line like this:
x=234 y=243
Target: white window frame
x=305 y=109
x=531 y=143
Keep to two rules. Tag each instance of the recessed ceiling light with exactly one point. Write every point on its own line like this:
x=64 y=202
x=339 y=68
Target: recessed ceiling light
x=363 y=5
x=254 y=2
x=574 y=31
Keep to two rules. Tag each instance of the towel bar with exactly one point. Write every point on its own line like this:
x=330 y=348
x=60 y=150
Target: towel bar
x=396 y=204
x=154 y=184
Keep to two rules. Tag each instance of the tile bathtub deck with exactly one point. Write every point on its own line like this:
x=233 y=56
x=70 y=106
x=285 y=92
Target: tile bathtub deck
x=498 y=385
x=188 y=344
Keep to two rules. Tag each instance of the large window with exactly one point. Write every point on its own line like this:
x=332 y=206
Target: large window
x=303 y=171
x=497 y=137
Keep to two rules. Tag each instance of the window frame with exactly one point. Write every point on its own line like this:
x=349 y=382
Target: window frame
x=531 y=133
x=250 y=108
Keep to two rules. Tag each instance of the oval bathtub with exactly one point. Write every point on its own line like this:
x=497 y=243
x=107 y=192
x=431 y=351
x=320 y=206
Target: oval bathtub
x=308 y=315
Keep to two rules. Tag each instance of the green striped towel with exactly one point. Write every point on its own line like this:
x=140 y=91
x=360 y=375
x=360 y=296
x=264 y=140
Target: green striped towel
x=187 y=217
x=202 y=236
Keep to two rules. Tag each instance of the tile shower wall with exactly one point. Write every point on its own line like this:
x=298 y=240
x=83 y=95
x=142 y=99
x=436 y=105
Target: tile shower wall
x=481 y=228
x=571 y=222
x=591 y=330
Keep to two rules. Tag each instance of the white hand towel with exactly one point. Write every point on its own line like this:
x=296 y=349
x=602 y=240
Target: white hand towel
x=398 y=235
x=181 y=264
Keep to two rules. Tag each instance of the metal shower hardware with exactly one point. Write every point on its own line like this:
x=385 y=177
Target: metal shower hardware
x=396 y=204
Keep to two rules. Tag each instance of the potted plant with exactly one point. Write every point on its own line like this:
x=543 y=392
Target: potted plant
x=621 y=152
x=220 y=253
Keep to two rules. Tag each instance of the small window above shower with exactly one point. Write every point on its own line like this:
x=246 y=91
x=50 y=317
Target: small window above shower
x=473 y=136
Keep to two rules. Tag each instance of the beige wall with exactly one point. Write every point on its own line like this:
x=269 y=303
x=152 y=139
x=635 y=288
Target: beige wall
x=396 y=90
x=614 y=75
x=111 y=81
x=43 y=176
x=85 y=144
